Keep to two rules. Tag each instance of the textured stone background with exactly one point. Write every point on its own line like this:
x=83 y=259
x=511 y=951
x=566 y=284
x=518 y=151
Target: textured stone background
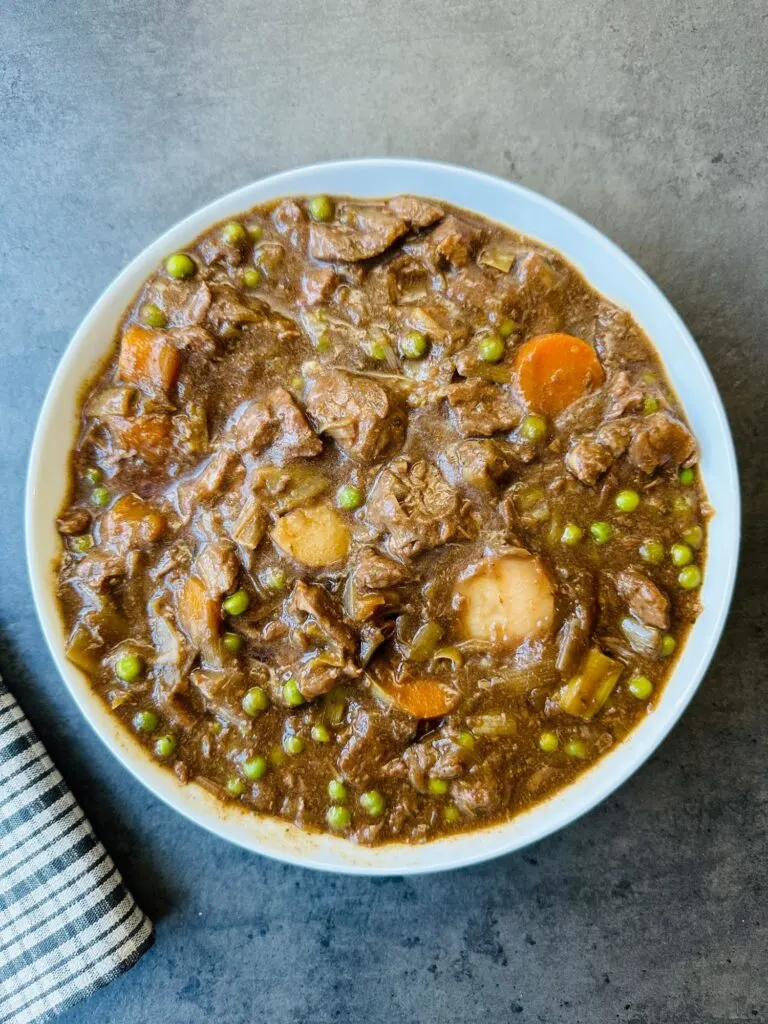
x=117 y=117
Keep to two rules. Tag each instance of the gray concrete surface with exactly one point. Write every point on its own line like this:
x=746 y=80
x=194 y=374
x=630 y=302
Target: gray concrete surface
x=117 y=117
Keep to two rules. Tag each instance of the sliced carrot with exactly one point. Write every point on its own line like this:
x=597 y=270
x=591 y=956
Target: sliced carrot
x=132 y=523
x=554 y=370
x=198 y=614
x=422 y=698
x=149 y=436
x=149 y=359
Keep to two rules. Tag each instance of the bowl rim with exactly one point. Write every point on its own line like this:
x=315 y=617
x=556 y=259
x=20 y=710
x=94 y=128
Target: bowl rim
x=280 y=840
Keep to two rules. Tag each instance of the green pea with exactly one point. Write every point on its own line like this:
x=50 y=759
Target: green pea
x=377 y=351
x=349 y=497
x=491 y=349
x=337 y=791
x=232 y=642
x=293 y=744
x=274 y=578
x=414 y=345
x=255 y=701
x=652 y=551
x=81 y=544
x=687 y=477
x=627 y=501
x=650 y=405
x=601 y=532
x=152 y=315
x=681 y=555
x=145 y=721
x=292 y=694
x=94 y=475
x=466 y=740
x=576 y=748
x=251 y=278
x=236 y=603
x=372 y=802
x=572 y=534
x=507 y=328
x=451 y=814
x=323 y=343
x=100 y=496
x=129 y=667
x=683 y=505
x=694 y=536
x=534 y=428
x=256 y=232
x=165 y=745
x=640 y=687
x=254 y=768
x=320 y=208
x=548 y=742
x=437 y=787
x=689 y=578
x=338 y=817
x=234 y=233
x=180 y=265
x=277 y=756
x=668 y=645
x=235 y=786
x=320 y=734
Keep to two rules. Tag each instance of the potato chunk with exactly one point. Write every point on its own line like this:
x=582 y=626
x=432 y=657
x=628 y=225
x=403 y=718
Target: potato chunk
x=505 y=600
x=315 y=536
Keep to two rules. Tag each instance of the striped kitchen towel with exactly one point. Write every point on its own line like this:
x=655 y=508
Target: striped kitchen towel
x=68 y=925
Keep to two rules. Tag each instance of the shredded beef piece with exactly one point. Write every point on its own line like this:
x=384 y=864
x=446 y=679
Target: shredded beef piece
x=453 y=242
x=218 y=568
x=479 y=463
x=76 y=520
x=317 y=285
x=660 y=440
x=644 y=599
x=277 y=421
x=374 y=736
x=588 y=460
x=413 y=503
x=358 y=233
x=415 y=211
x=362 y=416
x=479 y=409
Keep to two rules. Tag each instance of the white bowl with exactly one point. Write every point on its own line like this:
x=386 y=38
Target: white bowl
x=607 y=269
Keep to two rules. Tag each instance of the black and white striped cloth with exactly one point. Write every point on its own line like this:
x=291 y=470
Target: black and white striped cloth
x=68 y=925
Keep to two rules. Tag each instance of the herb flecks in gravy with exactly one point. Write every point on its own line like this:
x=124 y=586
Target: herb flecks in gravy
x=381 y=520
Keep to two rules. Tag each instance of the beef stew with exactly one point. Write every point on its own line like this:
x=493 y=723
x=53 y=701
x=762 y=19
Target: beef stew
x=381 y=520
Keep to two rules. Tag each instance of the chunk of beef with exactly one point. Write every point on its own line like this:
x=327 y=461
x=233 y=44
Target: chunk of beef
x=372 y=587
x=358 y=233
x=317 y=285
x=362 y=416
x=644 y=599
x=441 y=759
x=185 y=303
x=311 y=602
x=414 y=504
x=209 y=482
x=623 y=396
x=536 y=276
x=228 y=309
x=483 y=789
x=615 y=436
x=618 y=340
x=74 y=520
x=417 y=212
x=453 y=242
x=588 y=460
x=659 y=440
x=98 y=569
x=478 y=463
x=374 y=737
x=218 y=568
x=276 y=420
x=479 y=409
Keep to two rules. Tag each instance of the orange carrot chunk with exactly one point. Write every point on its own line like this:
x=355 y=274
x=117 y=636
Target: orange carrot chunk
x=422 y=698
x=148 y=359
x=132 y=523
x=554 y=370
x=198 y=614
x=149 y=436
